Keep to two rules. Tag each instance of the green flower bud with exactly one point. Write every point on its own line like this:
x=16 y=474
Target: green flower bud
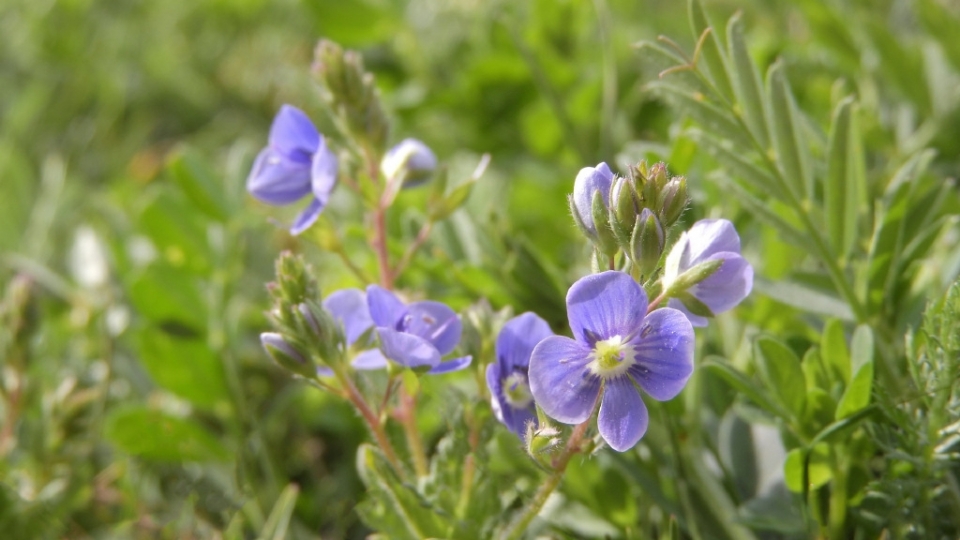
x=673 y=200
x=646 y=243
x=286 y=356
x=625 y=206
x=605 y=241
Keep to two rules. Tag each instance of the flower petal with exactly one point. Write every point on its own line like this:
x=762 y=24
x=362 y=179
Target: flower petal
x=623 y=416
x=589 y=180
x=323 y=172
x=293 y=134
x=324 y=371
x=407 y=349
x=434 y=322
x=350 y=307
x=695 y=320
x=275 y=179
x=664 y=354
x=307 y=217
x=495 y=385
x=709 y=236
x=385 y=308
x=604 y=305
x=369 y=360
x=449 y=366
x=560 y=382
x=518 y=338
x=728 y=286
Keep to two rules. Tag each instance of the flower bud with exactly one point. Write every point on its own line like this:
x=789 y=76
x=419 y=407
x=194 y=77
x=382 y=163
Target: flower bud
x=286 y=356
x=692 y=276
x=606 y=240
x=541 y=440
x=294 y=282
x=673 y=200
x=625 y=205
x=321 y=331
x=410 y=163
x=646 y=242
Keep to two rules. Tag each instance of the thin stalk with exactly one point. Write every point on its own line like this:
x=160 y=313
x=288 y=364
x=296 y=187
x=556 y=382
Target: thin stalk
x=405 y=415
x=417 y=243
x=838 y=496
x=469 y=467
x=681 y=480
x=356 y=399
x=517 y=527
x=380 y=246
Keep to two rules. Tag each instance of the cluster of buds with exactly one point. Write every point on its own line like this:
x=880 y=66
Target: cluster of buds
x=307 y=335
x=352 y=94
x=628 y=213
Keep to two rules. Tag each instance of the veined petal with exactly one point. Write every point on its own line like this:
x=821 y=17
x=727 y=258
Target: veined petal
x=709 y=236
x=323 y=172
x=604 y=305
x=589 y=180
x=728 y=286
x=293 y=134
x=449 y=366
x=385 y=308
x=407 y=349
x=434 y=322
x=560 y=382
x=369 y=360
x=518 y=338
x=350 y=307
x=307 y=217
x=623 y=416
x=664 y=354
x=275 y=179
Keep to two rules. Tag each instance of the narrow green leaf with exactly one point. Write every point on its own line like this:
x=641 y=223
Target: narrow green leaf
x=739 y=382
x=197 y=182
x=861 y=348
x=658 y=59
x=708 y=115
x=711 y=53
x=804 y=298
x=818 y=469
x=781 y=370
x=836 y=204
x=739 y=164
x=746 y=83
x=156 y=436
x=833 y=349
x=762 y=210
x=279 y=520
x=788 y=141
x=857 y=394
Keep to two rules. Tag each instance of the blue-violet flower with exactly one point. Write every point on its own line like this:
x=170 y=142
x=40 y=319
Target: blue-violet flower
x=707 y=240
x=349 y=308
x=410 y=158
x=295 y=163
x=617 y=350
x=418 y=335
x=590 y=180
x=507 y=377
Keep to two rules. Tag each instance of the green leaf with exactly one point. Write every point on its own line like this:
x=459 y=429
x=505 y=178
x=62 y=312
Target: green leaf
x=762 y=210
x=785 y=126
x=804 y=298
x=178 y=233
x=157 y=436
x=780 y=369
x=391 y=506
x=818 y=469
x=736 y=448
x=185 y=366
x=711 y=53
x=857 y=394
x=743 y=385
x=197 y=182
x=833 y=349
x=845 y=182
x=746 y=83
x=279 y=520
x=709 y=116
x=169 y=297
x=739 y=164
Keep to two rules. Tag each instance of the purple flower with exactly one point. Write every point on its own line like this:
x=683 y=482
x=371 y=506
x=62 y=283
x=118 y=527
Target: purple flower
x=410 y=158
x=617 y=347
x=707 y=240
x=295 y=163
x=417 y=335
x=590 y=180
x=510 y=394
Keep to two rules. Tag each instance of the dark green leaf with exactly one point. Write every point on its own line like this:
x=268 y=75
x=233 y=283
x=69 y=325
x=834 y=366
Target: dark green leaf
x=746 y=83
x=780 y=369
x=788 y=140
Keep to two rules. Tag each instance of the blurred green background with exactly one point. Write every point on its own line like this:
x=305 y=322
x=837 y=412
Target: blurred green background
x=133 y=261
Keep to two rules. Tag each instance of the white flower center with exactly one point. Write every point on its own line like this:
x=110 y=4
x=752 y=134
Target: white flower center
x=611 y=358
x=516 y=390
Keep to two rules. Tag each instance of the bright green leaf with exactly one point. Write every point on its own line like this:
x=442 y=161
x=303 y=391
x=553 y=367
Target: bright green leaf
x=818 y=468
x=781 y=370
x=833 y=349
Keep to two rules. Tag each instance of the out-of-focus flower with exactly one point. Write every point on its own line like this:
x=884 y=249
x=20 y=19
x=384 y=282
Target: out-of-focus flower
x=349 y=307
x=410 y=162
x=507 y=379
x=617 y=350
x=418 y=335
x=295 y=163
x=710 y=240
x=589 y=181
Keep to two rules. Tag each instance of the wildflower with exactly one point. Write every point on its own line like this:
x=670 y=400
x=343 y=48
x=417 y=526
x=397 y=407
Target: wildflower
x=295 y=163
x=589 y=181
x=410 y=162
x=349 y=307
x=418 y=335
x=710 y=240
x=510 y=394
x=617 y=347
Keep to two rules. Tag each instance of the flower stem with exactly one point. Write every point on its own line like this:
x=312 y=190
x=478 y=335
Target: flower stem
x=405 y=415
x=353 y=395
x=422 y=236
x=469 y=467
x=517 y=527
x=380 y=246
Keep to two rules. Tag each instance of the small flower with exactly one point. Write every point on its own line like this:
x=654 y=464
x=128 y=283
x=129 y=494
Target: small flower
x=410 y=162
x=510 y=394
x=710 y=240
x=417 y=335
x=295 y=163
x=349 y=307
x=617 y=347
x=590 y=180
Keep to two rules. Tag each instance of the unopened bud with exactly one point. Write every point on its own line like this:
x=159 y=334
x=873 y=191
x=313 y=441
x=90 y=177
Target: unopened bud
x=541 y=440
x=646 y=243
x=410 y=163
x=693 y=276
x=294 y=280
x=625 y=205
x=320 y=330
x=286 y=356
x=606 y=241
x=673 y=200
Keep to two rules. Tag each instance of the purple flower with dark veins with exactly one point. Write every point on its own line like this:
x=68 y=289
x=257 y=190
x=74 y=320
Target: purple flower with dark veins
x=295 y=163
x=507 y=379
x=708 y=240
x=418 y=335
x=618 y=349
